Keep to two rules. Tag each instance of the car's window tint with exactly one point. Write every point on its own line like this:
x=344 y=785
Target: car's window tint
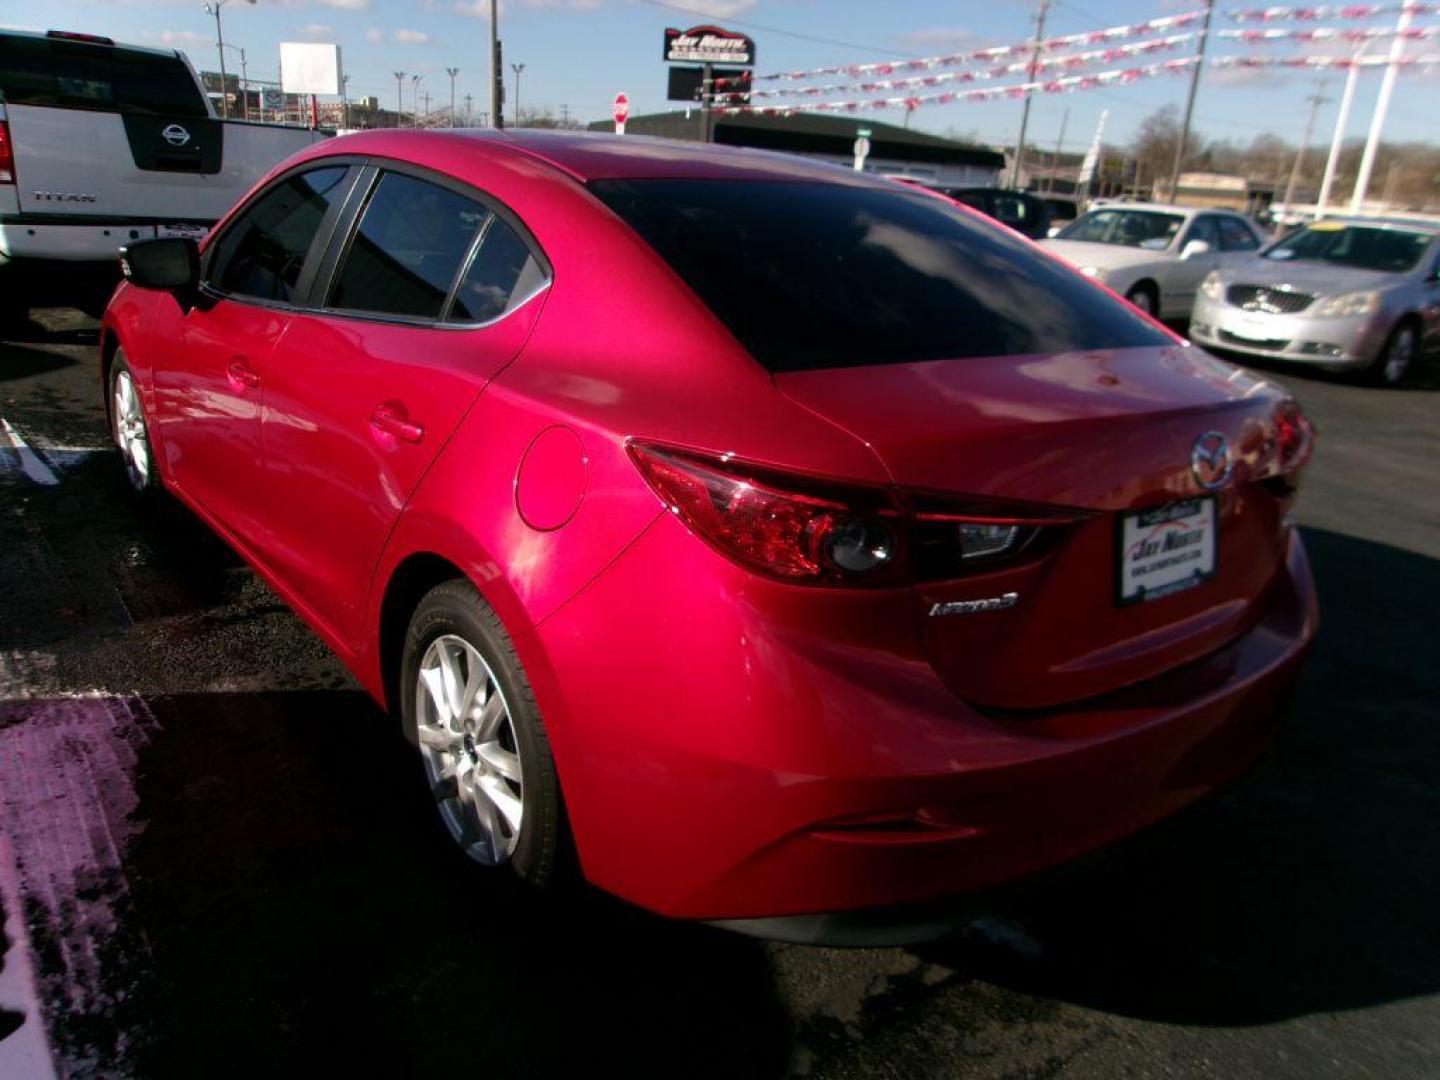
x=1203 y=228
x=407 y=251
x=502 y=274
x=1148 y=229
x=262 y=253
x=1235 y=235
x=815 y=275
x=79 y=75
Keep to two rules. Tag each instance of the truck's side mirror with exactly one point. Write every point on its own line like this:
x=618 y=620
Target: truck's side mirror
x=171 y=264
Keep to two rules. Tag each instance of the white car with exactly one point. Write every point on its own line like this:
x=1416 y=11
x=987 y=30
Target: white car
x=1155 y=255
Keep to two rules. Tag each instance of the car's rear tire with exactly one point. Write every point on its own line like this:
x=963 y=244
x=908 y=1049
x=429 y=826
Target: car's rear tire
x=468 y=709
x=1396 y=358
x=1144 y=297
x=130 y=432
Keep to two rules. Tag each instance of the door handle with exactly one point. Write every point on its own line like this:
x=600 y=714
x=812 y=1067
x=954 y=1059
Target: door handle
x=242 y=374
x=393 y=420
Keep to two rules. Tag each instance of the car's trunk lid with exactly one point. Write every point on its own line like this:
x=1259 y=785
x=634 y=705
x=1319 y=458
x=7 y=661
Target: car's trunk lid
x=1096 y=433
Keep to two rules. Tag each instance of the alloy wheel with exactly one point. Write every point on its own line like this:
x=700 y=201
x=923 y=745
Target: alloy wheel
x=129 y=423
x=1399 y=355
x=467 y=742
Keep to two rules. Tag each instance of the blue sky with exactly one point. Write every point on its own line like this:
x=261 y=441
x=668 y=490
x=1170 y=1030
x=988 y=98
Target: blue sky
x=580 y=52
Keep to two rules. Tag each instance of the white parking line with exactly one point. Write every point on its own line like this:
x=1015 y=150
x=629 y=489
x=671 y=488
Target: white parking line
x=31 y=463
x=24 y=1053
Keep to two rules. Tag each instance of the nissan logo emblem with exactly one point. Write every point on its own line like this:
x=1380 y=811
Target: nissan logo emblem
x=1210 y=461
x=175 y=135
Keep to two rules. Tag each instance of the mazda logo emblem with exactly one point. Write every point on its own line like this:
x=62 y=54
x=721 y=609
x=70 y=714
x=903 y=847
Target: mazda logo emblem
x=175 y=135
x=1210 y=461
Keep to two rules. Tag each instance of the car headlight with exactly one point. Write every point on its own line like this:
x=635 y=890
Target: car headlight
x=1090 y=271
x=1212 y=288
x=1355 y=303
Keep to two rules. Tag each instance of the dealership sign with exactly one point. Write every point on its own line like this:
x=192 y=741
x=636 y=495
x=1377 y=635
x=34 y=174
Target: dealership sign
x=708 y=45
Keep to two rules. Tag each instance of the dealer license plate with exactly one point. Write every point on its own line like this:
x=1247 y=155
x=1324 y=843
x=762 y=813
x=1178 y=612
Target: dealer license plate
x=1166 y=549
x=186 y=232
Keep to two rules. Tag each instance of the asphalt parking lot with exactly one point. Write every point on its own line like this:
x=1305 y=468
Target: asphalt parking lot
x=213 y=859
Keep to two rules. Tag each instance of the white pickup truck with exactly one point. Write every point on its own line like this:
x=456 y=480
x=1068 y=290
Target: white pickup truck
x=102 y=144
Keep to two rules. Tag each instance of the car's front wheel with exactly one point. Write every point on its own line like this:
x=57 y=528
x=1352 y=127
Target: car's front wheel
x=1393 y=363
x=468 y=709
x=127 y=426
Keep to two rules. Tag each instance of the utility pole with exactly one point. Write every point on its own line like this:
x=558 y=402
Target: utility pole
x=1315 y=102
x=1382 y=105
x=415 y=97
x=427 y=108
x=517 y=68
x=452 y=72
x=399 y=98
x=345 y=101
x=1059 y=142
x=1190 y=102
x=469 y=109
x=497 y=73
x=1029 y=78
x=565 y=116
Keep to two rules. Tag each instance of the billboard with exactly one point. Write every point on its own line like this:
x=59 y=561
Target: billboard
x=708 y=45
x=309 y=68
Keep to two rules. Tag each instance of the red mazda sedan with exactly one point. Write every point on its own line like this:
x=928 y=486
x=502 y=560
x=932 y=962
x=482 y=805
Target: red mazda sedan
x=783 y=542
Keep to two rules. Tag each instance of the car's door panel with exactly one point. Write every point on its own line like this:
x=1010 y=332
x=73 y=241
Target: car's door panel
x=357 y=405
x=208 y=394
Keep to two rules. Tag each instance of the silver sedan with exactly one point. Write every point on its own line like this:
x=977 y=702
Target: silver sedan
x=1345 y=294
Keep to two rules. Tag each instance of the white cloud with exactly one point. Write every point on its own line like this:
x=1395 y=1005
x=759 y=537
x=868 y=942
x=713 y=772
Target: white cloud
x=348 y=5
x=374 y=35
x=176 y=39
x=412 y=37
x=718 y=9
x=315 y=30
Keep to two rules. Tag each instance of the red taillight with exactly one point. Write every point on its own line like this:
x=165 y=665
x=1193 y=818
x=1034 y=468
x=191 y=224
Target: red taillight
x=7 y=153
x=1294 y=437
x=788 y=527
x=821 y=532
x=86 y=39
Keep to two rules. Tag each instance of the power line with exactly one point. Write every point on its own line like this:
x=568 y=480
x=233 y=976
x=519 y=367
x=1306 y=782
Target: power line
x=783 y=33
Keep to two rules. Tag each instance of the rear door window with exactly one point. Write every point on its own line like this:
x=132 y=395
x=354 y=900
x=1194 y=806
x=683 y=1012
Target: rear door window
x=1203 y=228
x=263 y=252
x=78 y=75
x=1235 y=235
x=502 y=274
x=820 y=275
x=408 y=250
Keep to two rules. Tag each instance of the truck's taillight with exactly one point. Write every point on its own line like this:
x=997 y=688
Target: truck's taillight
x=7 y=152
x=786 y=526
x=821 y=532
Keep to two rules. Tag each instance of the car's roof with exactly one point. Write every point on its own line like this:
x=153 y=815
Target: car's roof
x=1167 y=208
x=600 y=156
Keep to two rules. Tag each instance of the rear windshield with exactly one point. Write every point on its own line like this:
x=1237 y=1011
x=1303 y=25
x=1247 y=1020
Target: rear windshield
x=36 y=71
x=814 y=275
x=1362 y=248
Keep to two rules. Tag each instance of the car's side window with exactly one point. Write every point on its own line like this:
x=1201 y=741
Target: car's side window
x=1202 y=228
x=262 y=253
x=503 y=273
x=1235 y=235
x=405 y=254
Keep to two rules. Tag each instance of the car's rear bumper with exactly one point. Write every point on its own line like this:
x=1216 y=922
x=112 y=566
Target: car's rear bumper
x=86 y=239
x=718 y=768
x=1335 y=344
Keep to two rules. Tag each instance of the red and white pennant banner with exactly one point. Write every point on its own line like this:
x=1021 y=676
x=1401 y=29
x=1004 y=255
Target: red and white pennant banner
x=1067 y=84
x=1329 y=33
x=1330 y=11
x=999 y=52
x=1070 y=62
x=1324 y=62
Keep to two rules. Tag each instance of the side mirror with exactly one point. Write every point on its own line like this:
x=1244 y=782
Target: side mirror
x=171 y=264
x=1193 y=248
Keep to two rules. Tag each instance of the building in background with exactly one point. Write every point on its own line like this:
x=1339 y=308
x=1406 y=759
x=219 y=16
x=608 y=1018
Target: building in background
x=893 y=150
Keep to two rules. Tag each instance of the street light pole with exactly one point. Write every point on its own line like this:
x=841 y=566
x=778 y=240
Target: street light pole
x=213 y=8
x=415 y=94
x=452 y=72
x=497 y=74
x=1382 y=106
x=517 y=68
x=399 y=98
